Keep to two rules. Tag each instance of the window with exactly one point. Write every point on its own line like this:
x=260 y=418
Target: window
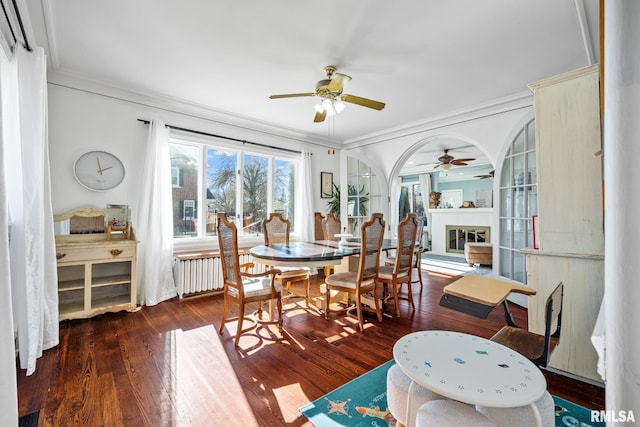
x=410 y=200
x=363 y=194
x=176 y=180
x=518 y=202
x=246 y=186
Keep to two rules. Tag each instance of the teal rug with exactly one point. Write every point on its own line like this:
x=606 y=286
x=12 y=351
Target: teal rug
x=363 y=402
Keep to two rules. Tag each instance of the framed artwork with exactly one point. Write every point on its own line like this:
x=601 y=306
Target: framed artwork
x=326 y=185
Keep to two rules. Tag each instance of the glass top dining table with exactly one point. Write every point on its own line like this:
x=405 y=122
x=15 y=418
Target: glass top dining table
x=319 y=253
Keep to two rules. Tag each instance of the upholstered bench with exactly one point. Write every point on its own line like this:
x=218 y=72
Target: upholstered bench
x=398 y=395
x=478 y=253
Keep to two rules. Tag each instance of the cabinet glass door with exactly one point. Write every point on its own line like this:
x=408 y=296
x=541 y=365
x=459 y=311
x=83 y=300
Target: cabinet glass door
x=518 y=202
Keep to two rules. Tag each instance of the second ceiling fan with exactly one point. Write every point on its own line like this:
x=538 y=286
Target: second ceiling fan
x=329 y=91
x=447 y=160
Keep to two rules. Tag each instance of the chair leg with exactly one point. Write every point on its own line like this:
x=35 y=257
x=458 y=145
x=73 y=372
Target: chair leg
x=279 y=305
x=306 y=291
x=419 y=268
x=377 y=303
x=410 y=295
x=359 y=312
x=240 y=322
x=327 y=302
x=225 y=308
x=395 y=298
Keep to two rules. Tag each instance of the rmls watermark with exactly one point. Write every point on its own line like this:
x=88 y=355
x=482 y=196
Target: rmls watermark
x=611 y=416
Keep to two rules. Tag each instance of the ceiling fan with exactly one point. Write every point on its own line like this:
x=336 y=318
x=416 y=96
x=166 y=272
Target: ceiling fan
x=446 y=161
x=486 y=175
x=329 y=91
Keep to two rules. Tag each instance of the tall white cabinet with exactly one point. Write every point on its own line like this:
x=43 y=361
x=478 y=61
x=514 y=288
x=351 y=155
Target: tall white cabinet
x=570 y=214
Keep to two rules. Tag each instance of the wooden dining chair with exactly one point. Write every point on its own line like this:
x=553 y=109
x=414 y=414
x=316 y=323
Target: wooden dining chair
x=400 y=272
x=276 y=229
x=364 y=280
x=318 y=233
x=331 y=227
x=536 y=347
x=417 y=255
x=242 y=287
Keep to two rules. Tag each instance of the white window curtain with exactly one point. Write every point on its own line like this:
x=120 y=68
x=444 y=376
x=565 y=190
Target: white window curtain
x=304 y=204
x=154 y=221
x=8 y=385
x=32 y=249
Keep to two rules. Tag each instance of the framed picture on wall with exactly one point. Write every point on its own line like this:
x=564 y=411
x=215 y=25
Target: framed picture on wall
x=326 y=185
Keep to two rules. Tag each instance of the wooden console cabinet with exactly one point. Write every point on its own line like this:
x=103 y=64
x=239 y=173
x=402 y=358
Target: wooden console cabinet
x=95 y=274
x=95 y=277
x=570 y=212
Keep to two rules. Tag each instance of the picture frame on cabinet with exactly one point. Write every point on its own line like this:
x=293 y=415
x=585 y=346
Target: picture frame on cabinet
x=535 y=229
x=326 y=185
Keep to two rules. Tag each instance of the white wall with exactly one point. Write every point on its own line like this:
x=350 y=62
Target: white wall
x=491 y=132
x=80 y=121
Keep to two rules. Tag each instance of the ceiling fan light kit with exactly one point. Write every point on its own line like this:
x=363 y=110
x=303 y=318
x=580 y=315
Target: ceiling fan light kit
x=332 y=99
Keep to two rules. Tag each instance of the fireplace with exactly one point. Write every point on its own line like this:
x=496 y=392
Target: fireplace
x=457 y=235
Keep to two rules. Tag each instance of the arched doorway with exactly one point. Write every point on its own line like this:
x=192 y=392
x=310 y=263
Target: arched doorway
x=418 y=172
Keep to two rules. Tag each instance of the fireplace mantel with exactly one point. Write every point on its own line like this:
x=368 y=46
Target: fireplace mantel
x=461 y=211
x=440 y=218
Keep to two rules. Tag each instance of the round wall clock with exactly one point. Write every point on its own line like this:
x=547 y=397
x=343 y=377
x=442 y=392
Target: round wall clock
x=98 y=170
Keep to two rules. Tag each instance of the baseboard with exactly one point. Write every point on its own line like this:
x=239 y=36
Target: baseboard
x=575 y=377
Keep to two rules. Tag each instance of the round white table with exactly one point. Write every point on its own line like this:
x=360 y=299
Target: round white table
x=469 y=369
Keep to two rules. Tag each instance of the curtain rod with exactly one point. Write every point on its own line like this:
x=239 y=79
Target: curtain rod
x=25 y=41
x=146 y=122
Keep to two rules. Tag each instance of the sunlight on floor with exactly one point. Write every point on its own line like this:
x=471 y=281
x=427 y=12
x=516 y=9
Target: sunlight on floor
x=287 y=394
x=200 y=369
x=446 y=267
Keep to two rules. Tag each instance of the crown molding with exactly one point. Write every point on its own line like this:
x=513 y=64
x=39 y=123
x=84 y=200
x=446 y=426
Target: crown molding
x=70 y=80
x=497 y=106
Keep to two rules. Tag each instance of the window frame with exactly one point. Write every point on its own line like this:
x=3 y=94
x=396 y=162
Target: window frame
x=202 y=239
x=509 y=251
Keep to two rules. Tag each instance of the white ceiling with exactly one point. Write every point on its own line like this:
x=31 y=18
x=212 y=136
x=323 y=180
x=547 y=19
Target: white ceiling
x=423 y=58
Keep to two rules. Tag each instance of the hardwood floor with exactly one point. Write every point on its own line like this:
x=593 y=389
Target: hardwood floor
x=167 y=365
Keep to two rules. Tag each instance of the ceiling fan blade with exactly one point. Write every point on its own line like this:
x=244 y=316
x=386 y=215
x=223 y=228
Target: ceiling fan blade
x=458 y=161
x=291 y=95
x=337 y=82
x=369 y=103
x=320 y=117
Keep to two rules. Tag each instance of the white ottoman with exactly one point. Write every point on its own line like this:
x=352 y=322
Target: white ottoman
x=450 y=413
x=522 y=415
x=398 y=391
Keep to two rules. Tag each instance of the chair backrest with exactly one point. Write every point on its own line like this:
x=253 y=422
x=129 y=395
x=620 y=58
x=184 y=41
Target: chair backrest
x=276 y=229
x=317 y=221
x=553 y=320
x=553 y=315
x=372 y=233
x=407 y=233
x=228 y=246
x=331 y=227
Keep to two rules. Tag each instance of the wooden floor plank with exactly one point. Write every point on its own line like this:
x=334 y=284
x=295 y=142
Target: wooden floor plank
x=167 y=365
